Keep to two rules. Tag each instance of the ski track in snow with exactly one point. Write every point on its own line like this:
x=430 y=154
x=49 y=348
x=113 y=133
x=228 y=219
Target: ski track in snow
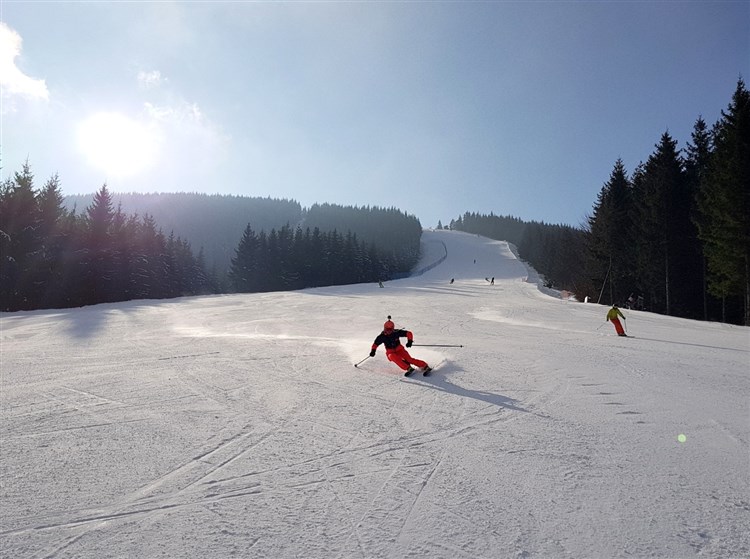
x=236 y=425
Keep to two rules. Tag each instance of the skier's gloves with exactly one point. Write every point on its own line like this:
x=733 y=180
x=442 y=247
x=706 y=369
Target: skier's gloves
x=408 y=344
x=372 y=353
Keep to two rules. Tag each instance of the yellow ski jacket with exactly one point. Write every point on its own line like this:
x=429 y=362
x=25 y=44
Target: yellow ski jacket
x=613 y=313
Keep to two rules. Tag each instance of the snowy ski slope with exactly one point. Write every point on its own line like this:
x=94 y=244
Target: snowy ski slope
x=237 y=426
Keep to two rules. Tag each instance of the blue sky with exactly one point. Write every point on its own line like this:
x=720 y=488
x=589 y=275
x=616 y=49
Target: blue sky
x=436 y=108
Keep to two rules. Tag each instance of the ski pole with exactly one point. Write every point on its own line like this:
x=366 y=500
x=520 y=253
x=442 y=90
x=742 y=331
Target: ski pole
x=363 y=360
x=436 y=345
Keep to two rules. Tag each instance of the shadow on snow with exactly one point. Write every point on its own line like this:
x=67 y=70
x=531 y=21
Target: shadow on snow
x=437 y=382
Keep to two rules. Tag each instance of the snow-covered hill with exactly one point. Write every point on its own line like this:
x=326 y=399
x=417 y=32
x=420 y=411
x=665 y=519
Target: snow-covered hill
x=237 y=426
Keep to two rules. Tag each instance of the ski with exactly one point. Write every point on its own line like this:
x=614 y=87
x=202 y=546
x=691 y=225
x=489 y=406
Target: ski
x=425 y=372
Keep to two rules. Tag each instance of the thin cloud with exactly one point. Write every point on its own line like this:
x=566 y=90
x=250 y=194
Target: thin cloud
x=184 y=120
x=12 y=80
x=194 y=147
x=150 y=80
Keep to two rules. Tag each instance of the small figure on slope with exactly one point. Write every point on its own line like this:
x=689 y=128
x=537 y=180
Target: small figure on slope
x=395 y=352
x=612 y=315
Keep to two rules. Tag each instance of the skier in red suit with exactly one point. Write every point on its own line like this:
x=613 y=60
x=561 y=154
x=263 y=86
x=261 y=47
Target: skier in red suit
x=394 y=351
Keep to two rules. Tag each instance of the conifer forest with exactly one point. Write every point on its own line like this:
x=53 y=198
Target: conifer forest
x=670 y=236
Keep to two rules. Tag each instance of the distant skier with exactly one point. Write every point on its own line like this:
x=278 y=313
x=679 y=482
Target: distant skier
x=612 y=315
x=492 y=281
x=452 y=280
x=395 y=352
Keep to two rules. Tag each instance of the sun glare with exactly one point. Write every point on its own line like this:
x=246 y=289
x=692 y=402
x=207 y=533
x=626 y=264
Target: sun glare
x=116 y=144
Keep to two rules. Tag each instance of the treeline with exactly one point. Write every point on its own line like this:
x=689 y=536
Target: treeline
x=55 y=258
x=216 y=222
x=676 y=231
x=674 y=234
x=396 y=234
x=292 y=259
x=213 y=222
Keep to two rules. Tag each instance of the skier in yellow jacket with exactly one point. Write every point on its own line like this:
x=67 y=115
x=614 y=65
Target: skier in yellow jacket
x=612 y=315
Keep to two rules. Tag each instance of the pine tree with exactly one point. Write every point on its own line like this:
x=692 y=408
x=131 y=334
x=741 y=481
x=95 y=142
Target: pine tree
x=697 y=159
x=724 y=205
x=244 y=267
x=21 y=244
x=124 y=255
x=609 y=237
x=202 y=281
x=660 y=196
x=55 y=242
x=100 y=272
x=148 y=270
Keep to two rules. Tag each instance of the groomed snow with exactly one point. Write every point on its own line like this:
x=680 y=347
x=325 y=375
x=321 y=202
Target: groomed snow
x=237 y=425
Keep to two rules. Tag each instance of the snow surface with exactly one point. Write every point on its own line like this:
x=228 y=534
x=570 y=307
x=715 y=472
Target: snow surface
x=237 y=426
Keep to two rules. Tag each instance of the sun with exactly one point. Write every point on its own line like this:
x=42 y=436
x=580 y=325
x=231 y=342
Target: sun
x=116 y=144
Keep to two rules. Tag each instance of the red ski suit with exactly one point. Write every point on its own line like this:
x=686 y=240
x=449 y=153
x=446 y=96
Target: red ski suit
x=394 y=351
